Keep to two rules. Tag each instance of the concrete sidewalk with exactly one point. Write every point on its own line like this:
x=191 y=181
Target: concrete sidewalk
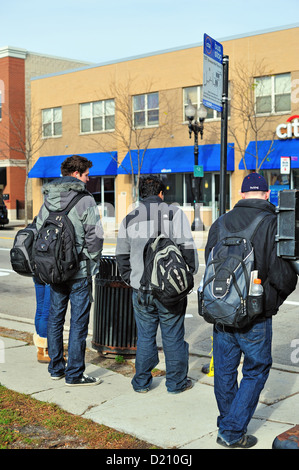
x=184 y=421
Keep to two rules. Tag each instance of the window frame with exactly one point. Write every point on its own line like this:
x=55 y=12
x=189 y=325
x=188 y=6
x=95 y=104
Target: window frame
x=273 y=94
x=216 y=116
x=93 y=115
x=52 y=122
x=146 y=110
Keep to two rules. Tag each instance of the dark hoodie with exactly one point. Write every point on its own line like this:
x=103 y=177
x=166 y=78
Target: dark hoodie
x=277 y=275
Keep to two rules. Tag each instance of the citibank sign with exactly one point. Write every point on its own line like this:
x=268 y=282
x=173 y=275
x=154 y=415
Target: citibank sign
x=290 y=129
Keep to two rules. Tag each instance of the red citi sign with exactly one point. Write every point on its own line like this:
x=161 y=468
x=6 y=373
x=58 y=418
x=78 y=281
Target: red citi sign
x=290 y=129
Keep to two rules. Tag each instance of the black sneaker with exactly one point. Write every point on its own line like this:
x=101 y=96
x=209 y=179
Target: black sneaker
x=58 y=377
x=142 y=390
x=189 y=384
x=245 y=442
x=85 y=380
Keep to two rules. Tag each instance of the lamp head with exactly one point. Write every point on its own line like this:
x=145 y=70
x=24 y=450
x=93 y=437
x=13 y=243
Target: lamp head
x=202 y=113
x=190 y=112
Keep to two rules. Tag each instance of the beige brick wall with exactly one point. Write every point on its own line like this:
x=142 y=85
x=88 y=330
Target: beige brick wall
x=167 y=73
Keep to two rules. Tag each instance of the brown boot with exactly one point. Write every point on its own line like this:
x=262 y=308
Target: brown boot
x=42 y=349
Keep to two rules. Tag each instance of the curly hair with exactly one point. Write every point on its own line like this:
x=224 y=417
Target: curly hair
x=150 y=186
x=75 y=163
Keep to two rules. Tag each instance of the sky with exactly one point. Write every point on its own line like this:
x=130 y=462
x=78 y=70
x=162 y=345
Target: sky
x=100 y=31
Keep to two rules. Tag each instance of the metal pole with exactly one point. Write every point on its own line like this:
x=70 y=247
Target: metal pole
x=198 y=225
x=223 y=155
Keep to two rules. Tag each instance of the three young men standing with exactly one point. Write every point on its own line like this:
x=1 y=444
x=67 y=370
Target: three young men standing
x=236 y=403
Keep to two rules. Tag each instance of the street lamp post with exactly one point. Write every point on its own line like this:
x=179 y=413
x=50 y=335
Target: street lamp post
x=196 y=128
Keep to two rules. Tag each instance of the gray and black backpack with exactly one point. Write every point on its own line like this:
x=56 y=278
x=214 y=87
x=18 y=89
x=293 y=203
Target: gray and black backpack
x=54 y=252
x=166 y=274
x=223 y=297
x=21 y=252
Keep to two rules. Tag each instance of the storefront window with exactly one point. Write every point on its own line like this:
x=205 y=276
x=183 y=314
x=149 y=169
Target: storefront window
x=295 y=178
x=276 y=182
x=102 y=189
x=174 y=187
x=205 y=189
x=179 y=190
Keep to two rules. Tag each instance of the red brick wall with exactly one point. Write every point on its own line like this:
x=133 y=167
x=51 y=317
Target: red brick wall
x=12 y=126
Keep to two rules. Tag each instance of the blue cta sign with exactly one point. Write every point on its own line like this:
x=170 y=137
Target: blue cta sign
x=212 y=73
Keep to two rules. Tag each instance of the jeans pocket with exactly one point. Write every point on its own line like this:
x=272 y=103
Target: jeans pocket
x=256 y=334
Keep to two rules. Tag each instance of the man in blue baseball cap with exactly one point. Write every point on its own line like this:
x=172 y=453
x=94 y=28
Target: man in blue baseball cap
x=253 y=183
x=237 y=403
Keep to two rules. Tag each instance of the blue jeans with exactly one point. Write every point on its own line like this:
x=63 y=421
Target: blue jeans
x=42 y=295
x=237 y=403
x=148 y=316
x=79 y=293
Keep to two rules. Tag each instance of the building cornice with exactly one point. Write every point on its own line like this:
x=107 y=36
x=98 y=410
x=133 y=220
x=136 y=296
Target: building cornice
x=16 y=52
x=8 y=162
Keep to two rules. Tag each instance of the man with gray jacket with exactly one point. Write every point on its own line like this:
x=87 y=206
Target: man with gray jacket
x=135 y=230
x=78 y=290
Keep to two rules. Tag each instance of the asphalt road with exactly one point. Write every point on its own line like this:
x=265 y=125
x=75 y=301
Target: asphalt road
x=17 y=298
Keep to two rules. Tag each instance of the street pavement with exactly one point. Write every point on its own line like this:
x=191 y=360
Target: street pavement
x=185 y=422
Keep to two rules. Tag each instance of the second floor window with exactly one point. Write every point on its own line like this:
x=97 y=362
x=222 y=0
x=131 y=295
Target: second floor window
x=52 y=122
x=273 y=94
x=97 y=116
x=146 y=110
x=193 y=94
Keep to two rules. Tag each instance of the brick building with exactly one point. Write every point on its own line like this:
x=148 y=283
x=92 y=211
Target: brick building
x=17 y=67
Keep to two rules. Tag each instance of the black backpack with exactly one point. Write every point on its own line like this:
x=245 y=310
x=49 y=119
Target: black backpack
x=55 y=256
x=223 y=297
x=21 y=252
x=166 y=274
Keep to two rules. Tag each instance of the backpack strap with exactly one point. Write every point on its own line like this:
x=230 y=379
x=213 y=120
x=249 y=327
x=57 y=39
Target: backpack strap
x=249 y=232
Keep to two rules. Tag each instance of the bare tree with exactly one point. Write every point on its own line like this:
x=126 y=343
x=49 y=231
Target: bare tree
x=130 y=136
x=26 y=141
x=246 y=125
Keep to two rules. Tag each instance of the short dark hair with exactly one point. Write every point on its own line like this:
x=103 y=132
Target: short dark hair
x=75 y=163
x=150 y=186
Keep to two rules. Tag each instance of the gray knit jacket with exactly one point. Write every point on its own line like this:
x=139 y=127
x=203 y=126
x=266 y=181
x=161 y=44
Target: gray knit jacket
x=84 y=216
x=140 y=225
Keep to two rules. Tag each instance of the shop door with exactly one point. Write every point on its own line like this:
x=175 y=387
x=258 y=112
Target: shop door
x=108 y=197
x=102 y=189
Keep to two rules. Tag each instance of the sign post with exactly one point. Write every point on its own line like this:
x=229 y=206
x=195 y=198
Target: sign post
x=223 y=151
x=215 y=96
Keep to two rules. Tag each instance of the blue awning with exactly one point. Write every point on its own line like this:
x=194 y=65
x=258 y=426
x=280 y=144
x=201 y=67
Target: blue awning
x=178 y=160
x=49 y=167
x=280 y=148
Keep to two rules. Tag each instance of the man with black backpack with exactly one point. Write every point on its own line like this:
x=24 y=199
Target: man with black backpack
x=156 y=255
x=252 y=336
x=66 y=252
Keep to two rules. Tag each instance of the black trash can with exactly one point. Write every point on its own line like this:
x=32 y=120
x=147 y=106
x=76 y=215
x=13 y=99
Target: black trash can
x=114 y=327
